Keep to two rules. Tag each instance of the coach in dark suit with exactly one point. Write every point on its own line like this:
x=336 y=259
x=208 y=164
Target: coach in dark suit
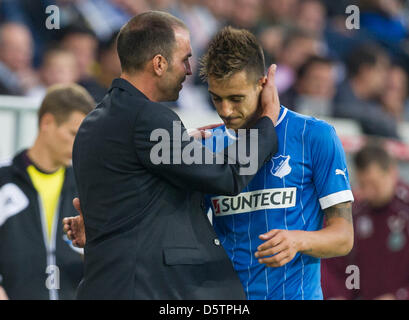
x=148 y=236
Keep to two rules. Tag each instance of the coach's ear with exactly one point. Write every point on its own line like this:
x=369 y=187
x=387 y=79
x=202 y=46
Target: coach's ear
x=160 y=65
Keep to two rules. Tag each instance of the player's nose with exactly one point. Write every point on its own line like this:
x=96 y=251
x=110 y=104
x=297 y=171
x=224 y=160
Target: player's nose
x=226 y=109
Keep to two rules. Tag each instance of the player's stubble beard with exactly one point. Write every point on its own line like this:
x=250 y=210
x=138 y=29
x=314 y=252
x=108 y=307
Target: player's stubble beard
x=252 y=119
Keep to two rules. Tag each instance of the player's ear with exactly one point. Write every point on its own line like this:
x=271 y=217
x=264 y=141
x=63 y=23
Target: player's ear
x=160 y=65
x=261 y=82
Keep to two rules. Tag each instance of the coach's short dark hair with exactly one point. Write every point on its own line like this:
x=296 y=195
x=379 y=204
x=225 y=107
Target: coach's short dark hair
x=145 y=36
x=373 y=153
x=233 y=50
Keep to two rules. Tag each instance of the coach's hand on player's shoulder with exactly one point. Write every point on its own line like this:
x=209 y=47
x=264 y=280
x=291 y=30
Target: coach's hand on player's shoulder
x=74 y=226
x=203 y=132
x=270 y=102
x=279 y=248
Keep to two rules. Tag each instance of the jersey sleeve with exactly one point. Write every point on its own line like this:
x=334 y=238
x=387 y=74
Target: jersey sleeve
x=330 y=173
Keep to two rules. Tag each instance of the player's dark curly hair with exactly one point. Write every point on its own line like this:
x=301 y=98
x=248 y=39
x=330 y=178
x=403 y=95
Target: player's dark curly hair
x=233 y=50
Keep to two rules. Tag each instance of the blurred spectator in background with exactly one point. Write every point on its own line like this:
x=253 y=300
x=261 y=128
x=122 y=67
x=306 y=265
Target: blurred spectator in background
x=133 y=7
x=271 y=38
x=246 y=14
x=162 y=5
x=221 y=10
x=357 y=97
x=103 y=17
x=383 y=20
x=337 y=8
x=298 y=46
x=311 y=17
x=33 y=15
x=314 y=88
x=339 y=37
x=394 y=97
x=58 y=67
x=37 y=187
x=202 y=25
x=16 y=53
x=381 y=224
x=82 y=42
x=279 y=11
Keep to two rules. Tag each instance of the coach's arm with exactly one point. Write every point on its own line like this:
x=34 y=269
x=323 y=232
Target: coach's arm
x=335 y=239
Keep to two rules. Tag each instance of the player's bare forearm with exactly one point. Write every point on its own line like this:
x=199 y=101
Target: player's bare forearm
x=335 y=239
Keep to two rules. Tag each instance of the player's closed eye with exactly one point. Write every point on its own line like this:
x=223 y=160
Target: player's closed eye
x=236 y=99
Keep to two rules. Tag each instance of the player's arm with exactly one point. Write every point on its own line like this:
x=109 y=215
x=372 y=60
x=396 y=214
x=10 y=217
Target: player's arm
x=335 y=239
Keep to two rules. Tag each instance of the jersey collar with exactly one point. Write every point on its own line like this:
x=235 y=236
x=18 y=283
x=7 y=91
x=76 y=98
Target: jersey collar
x=281 y=116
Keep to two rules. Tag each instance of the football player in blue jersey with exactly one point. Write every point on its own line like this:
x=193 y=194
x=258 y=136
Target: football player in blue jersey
x=273 y=231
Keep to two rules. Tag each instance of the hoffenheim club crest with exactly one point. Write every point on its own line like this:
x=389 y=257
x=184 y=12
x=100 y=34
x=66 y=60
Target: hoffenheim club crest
x=281 y=166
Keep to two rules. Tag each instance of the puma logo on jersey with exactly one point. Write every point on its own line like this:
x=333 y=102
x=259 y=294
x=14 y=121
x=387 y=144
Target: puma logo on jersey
x=341 y=172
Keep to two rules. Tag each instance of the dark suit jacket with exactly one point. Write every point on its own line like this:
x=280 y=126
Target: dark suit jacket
x=148 y=236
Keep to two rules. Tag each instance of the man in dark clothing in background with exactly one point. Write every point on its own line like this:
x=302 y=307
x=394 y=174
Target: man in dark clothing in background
x=381 y=224
x=37 y=261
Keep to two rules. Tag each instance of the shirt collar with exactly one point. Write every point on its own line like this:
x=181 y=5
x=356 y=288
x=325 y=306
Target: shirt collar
x=128 y=87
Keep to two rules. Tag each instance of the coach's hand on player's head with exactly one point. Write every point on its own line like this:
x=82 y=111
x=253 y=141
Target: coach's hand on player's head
x=279 y=248
x=270 y=102
x=74 y=226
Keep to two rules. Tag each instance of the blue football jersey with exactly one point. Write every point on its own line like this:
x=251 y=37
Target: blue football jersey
x=307 y=175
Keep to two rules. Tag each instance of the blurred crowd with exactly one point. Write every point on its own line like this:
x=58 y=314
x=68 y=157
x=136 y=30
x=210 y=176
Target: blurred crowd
x=327 y=66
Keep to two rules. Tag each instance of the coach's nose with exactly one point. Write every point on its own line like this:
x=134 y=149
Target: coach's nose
x=188 y=68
